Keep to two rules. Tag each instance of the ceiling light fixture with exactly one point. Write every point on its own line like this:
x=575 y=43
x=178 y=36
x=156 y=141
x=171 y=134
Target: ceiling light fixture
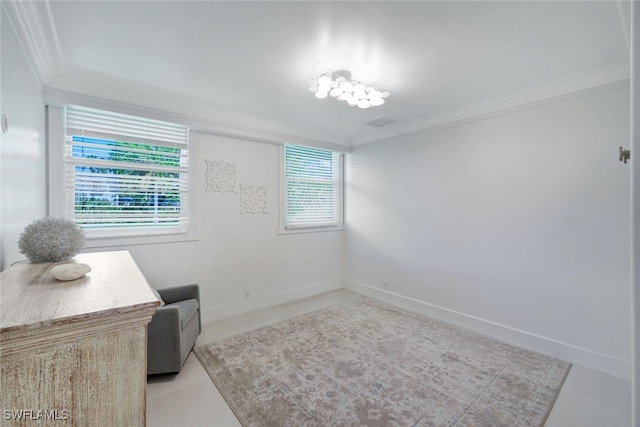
x=340 y=86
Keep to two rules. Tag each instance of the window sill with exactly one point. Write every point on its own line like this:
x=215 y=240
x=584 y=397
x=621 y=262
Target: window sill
x=101 y=242
x=299 y=230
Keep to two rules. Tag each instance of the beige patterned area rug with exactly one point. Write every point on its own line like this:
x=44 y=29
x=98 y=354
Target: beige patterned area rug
x=367 y=363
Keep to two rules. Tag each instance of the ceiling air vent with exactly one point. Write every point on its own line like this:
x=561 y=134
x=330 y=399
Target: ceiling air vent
x=380 y=121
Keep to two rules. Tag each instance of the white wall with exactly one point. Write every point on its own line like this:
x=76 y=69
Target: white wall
x=22 y=149
x=516 y=225
x=242 y=251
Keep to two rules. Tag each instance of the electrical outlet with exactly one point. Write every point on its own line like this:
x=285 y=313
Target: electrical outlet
x=384 y=284
x=247 y=294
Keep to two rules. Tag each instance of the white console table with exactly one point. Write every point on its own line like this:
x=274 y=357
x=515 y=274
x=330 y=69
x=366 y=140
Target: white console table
x=75 y=353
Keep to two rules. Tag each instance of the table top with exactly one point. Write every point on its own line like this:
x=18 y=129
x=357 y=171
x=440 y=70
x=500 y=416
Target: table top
x=30 y=296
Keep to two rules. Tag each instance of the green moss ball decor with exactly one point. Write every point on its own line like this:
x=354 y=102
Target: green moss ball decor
x=51 y=239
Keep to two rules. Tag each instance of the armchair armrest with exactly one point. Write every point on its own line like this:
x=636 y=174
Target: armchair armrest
x=180 y=293
x=166 y=321
x=173 y=329
x=163 y=340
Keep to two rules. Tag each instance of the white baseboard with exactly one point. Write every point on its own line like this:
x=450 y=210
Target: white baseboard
x=246 y=306
x=567 y=352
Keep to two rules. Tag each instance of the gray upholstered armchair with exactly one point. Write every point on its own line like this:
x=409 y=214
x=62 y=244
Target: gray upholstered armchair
x=173 y=329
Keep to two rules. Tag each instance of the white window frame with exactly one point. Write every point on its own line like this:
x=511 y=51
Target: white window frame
x=311 y=228
x=57 y=194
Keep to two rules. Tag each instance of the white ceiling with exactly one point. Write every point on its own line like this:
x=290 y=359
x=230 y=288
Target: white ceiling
x=254 y=59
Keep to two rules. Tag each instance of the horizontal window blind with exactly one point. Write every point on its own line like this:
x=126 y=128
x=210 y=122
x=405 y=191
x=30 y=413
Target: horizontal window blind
x=125 y=173
x=313 y=187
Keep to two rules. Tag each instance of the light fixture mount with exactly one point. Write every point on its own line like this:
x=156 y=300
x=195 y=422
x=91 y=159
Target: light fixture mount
x=340 y=86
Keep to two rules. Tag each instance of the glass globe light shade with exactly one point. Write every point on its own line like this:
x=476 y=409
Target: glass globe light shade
x=364 y=103
x=313 y=88
x=377 y=101
x=324 y=88
x=335 y=92
x=321 y=94
x=324 y=80
x=346 y=86
x=359 y=88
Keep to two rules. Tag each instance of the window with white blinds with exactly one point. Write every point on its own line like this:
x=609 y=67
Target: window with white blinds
x=313 y=187
x=125 y=175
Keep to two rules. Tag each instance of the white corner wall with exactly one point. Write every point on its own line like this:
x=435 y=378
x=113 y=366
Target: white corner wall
x=516 y=225
x=22 y=149
x=237 y=251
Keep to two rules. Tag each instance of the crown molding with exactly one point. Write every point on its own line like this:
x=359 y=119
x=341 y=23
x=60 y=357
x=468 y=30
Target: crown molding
x=543 y=92
x=32 y=22
x=68 y=91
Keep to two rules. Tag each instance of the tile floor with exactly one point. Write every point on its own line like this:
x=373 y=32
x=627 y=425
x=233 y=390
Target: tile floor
x=190 y=399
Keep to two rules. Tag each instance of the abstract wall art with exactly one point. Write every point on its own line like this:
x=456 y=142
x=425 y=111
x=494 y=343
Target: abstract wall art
x=221 y=176
x=253 y=199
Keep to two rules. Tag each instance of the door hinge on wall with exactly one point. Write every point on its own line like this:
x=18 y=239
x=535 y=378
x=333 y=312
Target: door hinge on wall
x=625 y=155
